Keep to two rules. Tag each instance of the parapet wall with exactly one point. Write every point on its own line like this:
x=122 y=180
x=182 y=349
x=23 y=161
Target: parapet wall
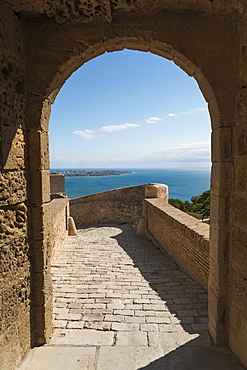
x=182 y=237
x=122 y=205
x=59 y=222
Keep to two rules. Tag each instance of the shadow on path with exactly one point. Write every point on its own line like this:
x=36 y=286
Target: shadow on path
x=182 y=295
x=193 y=356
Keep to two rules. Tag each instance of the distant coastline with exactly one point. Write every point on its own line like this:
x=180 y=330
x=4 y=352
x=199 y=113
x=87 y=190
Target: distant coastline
x=84 y=173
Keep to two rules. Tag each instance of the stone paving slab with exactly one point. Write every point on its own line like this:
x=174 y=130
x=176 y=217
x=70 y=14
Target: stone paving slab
x=131 y=358
x=82 y=337
x=60 y=358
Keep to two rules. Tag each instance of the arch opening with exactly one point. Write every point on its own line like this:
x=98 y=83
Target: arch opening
x=197 y=63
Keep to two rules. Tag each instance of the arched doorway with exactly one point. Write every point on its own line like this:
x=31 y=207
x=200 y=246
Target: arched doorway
x=196 y=44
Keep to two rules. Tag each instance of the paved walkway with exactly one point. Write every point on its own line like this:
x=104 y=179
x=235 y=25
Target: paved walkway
x=119 y=303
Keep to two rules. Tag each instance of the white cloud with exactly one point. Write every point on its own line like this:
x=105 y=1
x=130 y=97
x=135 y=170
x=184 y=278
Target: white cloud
x=153 y=120
x=86 y=134
x=113 y=128
x=188 y=112
x=172 y=115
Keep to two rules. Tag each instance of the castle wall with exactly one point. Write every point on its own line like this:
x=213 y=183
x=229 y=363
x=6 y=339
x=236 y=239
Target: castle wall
x=15 y=328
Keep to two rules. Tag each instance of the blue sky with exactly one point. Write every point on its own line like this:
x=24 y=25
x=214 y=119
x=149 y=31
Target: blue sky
x=130 y=109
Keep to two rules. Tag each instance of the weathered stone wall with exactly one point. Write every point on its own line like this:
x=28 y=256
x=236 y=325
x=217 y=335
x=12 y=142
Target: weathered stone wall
x=120 y=205
x=59 y=222
x=57 y=183
x=14 y=245
x=236 y=185
x=182 y=237
x=207 y=39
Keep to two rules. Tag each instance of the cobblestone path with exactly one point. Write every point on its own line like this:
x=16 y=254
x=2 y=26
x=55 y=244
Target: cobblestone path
x=107 y=279
x=121 y=304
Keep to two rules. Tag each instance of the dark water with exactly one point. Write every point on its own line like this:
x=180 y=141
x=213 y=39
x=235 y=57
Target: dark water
x=183 y=184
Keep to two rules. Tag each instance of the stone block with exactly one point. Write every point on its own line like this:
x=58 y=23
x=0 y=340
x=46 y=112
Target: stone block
x=40 y=187
x=48 y=315
x=13 y=187
x=17 y=35
x=113 y=34
x=241 y=106
x=219 y=212
x=34 y=122
x=41 y=254
x=13 y=148
x=222 y=177
x=213 y=106
x=39 y=150
x=11 y=351
x=24 y=332
x=13 y=222
x=201 y=39
x=16 y=294
x=224 y=45
x=221 y=144
x=92 y=34
x=12 y=78
x=93 y=52
x=41 y=221
x=131 y=338
x=57 y=182
x=240 y=140
x=41 y=318
x=157 y=191
x=238 y=333
x=238 y=288
x=218 y=278
x=163 y=50
x=14 y=257
x=225 y=102
x=219 y=245
x=138 y=31
x=239 y=215
x=238 y=250
x=45 y=115
x=217 y=317
x=64 y=358
x=5 y=35
x=188 y=67
x=120 y=326
x=42 y=288
x=240 y=170
x=124 y=357
x=170 y=341
x=170 y=28
x=83 y=336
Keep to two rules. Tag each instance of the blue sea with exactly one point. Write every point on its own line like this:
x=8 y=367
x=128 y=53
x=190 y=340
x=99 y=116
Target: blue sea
x=183 y=184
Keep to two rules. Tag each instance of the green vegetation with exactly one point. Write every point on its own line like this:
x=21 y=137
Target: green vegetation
x=199 y=204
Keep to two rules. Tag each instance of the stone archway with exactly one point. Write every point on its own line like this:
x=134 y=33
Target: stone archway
x=196 y=44
x=208 y=42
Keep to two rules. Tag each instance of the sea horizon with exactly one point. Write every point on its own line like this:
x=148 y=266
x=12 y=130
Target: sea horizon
x=182 y=183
